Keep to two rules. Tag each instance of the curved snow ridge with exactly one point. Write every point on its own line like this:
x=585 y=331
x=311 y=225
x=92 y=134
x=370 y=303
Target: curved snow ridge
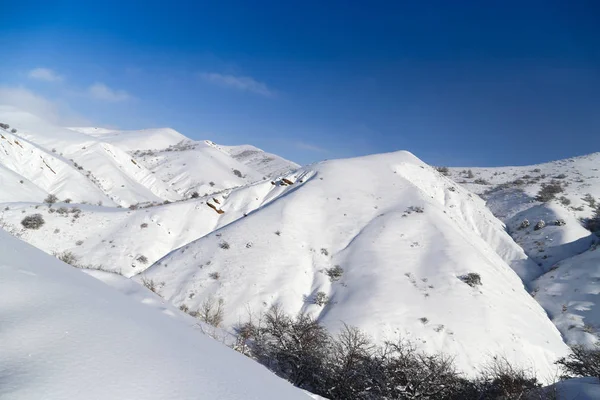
x=71 y=336
x=403 y=241
x=46 y=170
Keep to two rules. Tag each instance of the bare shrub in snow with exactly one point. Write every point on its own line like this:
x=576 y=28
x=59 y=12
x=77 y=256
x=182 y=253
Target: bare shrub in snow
x=144 y=225
x=68 y=258
x=237 y=173
x=295 y=348
x=472 y=279
x=540 y=225
x=499 y=379
x=351 y=366
x=581 y=362
x=334 y=273
x=50 y=199
x=548 y=191
x=79 y=242
x=564 y=200
x=62 y=210
x=443 y=170
x=150 y=284
x=13 y=130
x=215 y=275
x=524 y=224
x=321 y=299
x=34 y=221
x=4 y=126
x=224 y=245
x=212 y=312
x=588 y=198
x=195 y=195
x=560 y=222
x=593 y=223
x=469 y=174
x=142 y=259
x=481 y=181
x=324 y=251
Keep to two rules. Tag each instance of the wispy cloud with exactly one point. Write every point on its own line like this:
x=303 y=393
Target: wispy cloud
x=55 y=111
x=44 y=74
x=100 y=91
x=310 y=147
x=244 y=83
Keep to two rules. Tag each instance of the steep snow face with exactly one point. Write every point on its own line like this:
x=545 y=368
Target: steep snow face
x=68 y=336
x=41 y=172
x=74 y=165
x=383 y=243
x=511 y=194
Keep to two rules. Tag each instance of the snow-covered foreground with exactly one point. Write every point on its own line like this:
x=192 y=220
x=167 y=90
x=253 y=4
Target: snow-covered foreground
x=66 y=335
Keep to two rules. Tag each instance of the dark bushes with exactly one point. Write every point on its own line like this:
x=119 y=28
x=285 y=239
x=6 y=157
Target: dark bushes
x=351 y=366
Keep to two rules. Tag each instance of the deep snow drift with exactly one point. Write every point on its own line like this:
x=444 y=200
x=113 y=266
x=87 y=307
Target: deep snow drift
x=66 y=335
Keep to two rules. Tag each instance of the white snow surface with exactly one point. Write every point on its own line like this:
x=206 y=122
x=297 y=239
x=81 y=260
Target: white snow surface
x=66 y=335
x=569 y=286
x=401 y=267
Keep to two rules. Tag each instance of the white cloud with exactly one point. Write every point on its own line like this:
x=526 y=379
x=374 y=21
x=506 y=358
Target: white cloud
x=310 y=147
x=100 y=91
x=244 y=83
x=54 y=111
x=44 y=74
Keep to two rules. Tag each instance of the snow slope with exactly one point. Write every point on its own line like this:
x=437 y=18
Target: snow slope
x=66 y=335
x=197 y=167
x=510 y=194
x=566 y=251
x=403 y=235
x=117 y=238
x=570 y=292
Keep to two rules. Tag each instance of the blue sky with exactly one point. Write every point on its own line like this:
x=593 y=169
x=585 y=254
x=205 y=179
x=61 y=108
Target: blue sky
x=465 y=83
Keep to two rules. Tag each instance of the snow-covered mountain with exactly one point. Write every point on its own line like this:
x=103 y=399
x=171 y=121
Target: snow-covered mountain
x=385 y=243
x=116 y=167
x=380 y=242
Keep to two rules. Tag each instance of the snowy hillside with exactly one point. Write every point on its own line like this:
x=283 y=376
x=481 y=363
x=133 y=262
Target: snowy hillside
x=511 y=193
x=130 y=240
x=383 y=243
x=545 y=208
x=68 y=336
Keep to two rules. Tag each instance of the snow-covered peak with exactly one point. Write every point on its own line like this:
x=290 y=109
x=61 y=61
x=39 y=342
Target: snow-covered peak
x=388 y=243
